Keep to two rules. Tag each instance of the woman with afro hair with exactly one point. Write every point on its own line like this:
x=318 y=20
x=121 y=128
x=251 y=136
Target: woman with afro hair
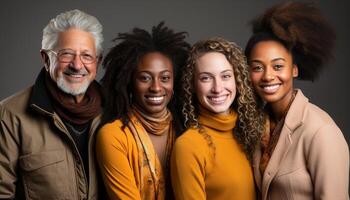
x=133 y=146
x=211 y=159
x=303 y=153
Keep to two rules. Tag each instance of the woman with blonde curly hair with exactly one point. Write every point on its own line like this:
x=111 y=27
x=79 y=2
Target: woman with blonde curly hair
x=303 y=153
x=211 y=159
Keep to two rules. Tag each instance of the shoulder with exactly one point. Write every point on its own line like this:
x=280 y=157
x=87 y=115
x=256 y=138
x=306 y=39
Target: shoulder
x=191 y=135
x=316 y=120
x=16 y=102
x=317 y=114
x=191 y=141
x=112 y=126
x=321 y=131
x=307 y=118
x=113 y=132
x=15 y=105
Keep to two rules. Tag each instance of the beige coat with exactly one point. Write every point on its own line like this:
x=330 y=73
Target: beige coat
x=311 y=158
x=38 y=157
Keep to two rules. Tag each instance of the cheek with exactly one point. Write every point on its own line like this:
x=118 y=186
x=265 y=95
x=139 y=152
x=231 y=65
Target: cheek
x=286 y=76
x=255 y=78
x=232 y=83
x=169 y=86
x=92 y=70
x=139 y=88
x=201 y=89
x=56 y=69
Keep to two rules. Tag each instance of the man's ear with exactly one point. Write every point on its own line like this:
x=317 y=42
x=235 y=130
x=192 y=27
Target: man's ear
x=45 y=58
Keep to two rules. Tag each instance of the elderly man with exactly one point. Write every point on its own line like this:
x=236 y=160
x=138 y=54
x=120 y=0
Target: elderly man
x=47 y=130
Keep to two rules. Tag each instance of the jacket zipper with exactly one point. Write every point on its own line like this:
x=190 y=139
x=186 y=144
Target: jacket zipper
x=76 y=154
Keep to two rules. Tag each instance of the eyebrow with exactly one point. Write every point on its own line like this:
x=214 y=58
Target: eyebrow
x=227 y=70
x=276 y=59
x=145 y=71
x=83 y=51
x=273 y=60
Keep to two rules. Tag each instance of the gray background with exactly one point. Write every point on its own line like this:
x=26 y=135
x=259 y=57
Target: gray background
x=22 y=23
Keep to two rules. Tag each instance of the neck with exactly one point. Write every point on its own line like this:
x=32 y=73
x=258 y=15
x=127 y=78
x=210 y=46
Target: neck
x=151 y=115
x=279 y=109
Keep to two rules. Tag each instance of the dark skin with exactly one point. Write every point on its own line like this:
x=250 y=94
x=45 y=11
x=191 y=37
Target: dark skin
x=272 y=72
x=153 y=83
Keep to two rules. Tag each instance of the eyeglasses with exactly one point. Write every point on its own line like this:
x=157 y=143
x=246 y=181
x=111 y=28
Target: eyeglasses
x=68 y=55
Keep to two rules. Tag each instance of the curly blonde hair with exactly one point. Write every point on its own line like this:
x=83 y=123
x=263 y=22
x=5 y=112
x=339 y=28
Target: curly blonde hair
x=249 y=125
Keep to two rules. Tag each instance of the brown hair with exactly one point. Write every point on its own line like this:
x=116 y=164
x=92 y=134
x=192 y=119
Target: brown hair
x=302 y=29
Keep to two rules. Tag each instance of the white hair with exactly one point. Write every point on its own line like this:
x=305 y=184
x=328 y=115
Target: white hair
x=72 y=19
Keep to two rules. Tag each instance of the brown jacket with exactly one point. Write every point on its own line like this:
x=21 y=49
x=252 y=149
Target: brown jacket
x=38 y=157
x=311 y=158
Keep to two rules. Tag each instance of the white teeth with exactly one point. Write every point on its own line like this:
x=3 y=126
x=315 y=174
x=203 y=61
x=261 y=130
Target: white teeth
x=76 y=75
x=156 y=99
x=271 y=87
x=219 y=99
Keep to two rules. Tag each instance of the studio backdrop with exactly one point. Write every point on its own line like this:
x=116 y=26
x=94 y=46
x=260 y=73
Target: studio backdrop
x=22 y=23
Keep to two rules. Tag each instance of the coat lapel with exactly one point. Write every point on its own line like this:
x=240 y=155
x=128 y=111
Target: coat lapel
x=277 y=157
x=293 y=120
x=256 y=171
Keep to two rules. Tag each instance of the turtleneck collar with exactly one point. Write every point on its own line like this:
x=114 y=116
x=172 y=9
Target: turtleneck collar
x=155 y=126
x=219 y=122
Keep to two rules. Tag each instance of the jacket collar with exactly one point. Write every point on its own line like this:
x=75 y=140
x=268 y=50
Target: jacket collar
x=40 y=99
x=295 y=115
x=293 y=120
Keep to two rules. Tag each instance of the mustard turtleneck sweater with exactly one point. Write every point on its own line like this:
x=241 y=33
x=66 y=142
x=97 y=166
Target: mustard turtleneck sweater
x=196 y=174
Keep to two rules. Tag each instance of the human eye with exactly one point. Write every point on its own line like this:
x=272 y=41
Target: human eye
x=165 y=78
x=66 y=55
x=205 y=78
x=226 y=76
x=256 y=68
x=144 y=78
x=278 y=67
x=87 y=57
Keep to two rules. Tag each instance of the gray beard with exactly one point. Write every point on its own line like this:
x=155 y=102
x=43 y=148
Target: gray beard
x=65 y=86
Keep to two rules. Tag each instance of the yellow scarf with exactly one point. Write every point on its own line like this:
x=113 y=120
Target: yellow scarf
x=152 y=177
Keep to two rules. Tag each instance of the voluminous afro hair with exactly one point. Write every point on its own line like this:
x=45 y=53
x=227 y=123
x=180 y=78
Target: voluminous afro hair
x=249 y=125
x=122 y=60
x=302 y=29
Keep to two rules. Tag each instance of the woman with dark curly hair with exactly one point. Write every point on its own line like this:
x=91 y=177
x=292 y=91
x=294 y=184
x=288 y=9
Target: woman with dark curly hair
x=303 y=153
x=133 y=147
x=211 y=159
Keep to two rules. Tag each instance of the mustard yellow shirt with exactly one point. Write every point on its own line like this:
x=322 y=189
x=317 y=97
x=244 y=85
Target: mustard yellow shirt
x=124 y=167
x=196 y=174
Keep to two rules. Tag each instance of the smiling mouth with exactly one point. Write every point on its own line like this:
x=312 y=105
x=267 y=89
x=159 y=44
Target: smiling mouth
x=217 y=100
x=75 y=75
x=270 y=89
x=155 y=100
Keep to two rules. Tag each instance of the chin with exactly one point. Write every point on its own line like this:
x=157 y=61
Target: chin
x=219 y=110
x=270 y=99
x=73 y=89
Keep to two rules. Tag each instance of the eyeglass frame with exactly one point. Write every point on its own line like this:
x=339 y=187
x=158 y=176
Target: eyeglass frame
x=95 y=58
